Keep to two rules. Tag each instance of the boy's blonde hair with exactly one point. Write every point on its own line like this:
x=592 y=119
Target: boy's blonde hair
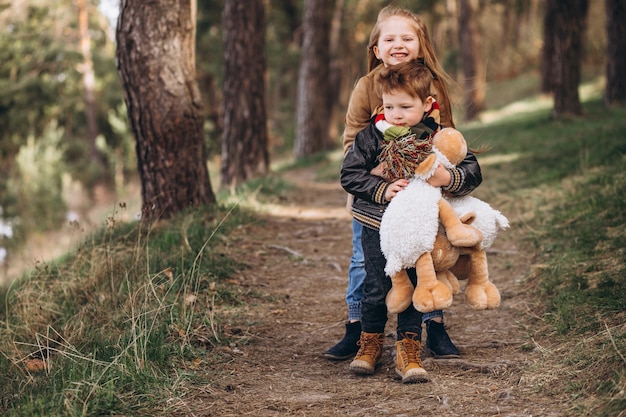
x=411 y=77
x=442 y=80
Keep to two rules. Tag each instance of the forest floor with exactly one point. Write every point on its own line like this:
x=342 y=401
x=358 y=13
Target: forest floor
x=297 y=276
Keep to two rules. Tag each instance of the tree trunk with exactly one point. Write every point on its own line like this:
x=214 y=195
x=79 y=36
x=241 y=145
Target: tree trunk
x=616 y=58
x=314 y=107
x=473 y=68
x=337 y=114
x=89 y=78
x=156 y=63
x=245 y=140
x=548 y=55
x=570 y=24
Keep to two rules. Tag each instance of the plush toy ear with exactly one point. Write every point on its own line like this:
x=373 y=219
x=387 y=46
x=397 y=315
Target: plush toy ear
x=427 y=166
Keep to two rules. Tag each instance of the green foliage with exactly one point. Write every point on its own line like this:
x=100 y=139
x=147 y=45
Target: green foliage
x=36 y=68
x=37 y=182
x=41 y=88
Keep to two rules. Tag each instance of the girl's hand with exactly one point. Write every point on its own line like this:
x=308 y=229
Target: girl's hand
x=441 y=177
x=394 y=188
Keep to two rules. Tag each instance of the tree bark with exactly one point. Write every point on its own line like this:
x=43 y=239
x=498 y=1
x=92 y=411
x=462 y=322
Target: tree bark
x=570 y=25
x=473 y=68
x=156 y=63
x=615 y=92
x=314 y=106
x=245 y=152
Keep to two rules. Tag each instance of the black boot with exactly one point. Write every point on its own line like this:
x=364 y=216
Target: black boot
x=347 y=347
x=438 y=342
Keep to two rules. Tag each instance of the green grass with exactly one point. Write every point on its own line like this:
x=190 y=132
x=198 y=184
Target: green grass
x=117 y=319
x=567 y=181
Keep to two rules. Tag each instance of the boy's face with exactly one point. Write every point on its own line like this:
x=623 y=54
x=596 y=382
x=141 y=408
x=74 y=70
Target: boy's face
x=403 y=110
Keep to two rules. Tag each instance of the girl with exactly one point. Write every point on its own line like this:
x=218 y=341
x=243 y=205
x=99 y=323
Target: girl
x=398 y=36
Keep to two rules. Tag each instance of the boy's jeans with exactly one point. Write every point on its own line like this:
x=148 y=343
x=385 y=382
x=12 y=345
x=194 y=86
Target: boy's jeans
x=356 y=275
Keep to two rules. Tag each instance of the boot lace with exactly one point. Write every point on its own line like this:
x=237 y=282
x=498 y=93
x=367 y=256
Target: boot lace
x=410 y=350
x=370 y=345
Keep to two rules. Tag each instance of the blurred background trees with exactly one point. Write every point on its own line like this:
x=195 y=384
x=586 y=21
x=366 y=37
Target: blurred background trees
x=63 y=119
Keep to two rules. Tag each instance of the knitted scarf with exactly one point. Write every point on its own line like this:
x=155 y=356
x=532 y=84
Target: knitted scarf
x=405 y=148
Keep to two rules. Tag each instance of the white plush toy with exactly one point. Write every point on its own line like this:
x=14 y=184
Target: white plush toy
x=410 y=226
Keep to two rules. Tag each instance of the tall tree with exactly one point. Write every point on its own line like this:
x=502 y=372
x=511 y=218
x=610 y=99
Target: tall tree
x=156 y=63
x=245 y=140
x=615 y=57
x=89 y=79
x=548 y=57
x=313 y=104
x=569 y=26
x=473 y=67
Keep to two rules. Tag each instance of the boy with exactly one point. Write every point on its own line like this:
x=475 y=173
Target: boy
x=407 y=106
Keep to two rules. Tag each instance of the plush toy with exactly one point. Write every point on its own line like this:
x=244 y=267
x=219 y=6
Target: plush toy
x=411 y=223
x=447 y=242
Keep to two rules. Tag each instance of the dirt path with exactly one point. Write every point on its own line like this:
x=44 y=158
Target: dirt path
x=299 y=261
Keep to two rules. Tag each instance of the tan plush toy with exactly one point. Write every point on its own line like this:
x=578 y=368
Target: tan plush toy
x=480 y=292
x=457 y=250
x=410 y=226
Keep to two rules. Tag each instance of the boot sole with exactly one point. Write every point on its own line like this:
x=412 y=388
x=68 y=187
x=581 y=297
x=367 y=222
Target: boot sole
x=413 y=376
x=446 y=356
x=337 y=357
x=362 y=368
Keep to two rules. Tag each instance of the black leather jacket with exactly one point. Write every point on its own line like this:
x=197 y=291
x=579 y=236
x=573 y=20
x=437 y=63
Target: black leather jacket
x=369 y=190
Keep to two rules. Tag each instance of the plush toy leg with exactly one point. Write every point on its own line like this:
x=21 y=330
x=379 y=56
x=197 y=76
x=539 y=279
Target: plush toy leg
x=444 y=254
x=462 y=268
x=459 y=234
x=430 y=293
x=448 y=278
x=399 y=297
x=480 y=293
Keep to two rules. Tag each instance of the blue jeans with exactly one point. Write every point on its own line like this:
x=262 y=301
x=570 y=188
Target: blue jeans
x=356 y=276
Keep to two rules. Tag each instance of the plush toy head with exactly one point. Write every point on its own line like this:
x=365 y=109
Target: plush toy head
x=451 y=143
x=450 y=148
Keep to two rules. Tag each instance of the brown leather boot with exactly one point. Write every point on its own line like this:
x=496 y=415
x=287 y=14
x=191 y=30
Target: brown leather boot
x=408 y=362
x=370 y=351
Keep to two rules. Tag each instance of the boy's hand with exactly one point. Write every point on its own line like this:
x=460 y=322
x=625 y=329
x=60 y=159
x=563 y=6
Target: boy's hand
x=378 y=170
x=394 y=188
x=441 y=177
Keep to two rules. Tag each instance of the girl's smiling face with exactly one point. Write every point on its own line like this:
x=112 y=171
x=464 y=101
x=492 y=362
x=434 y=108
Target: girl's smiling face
x=398 y=41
